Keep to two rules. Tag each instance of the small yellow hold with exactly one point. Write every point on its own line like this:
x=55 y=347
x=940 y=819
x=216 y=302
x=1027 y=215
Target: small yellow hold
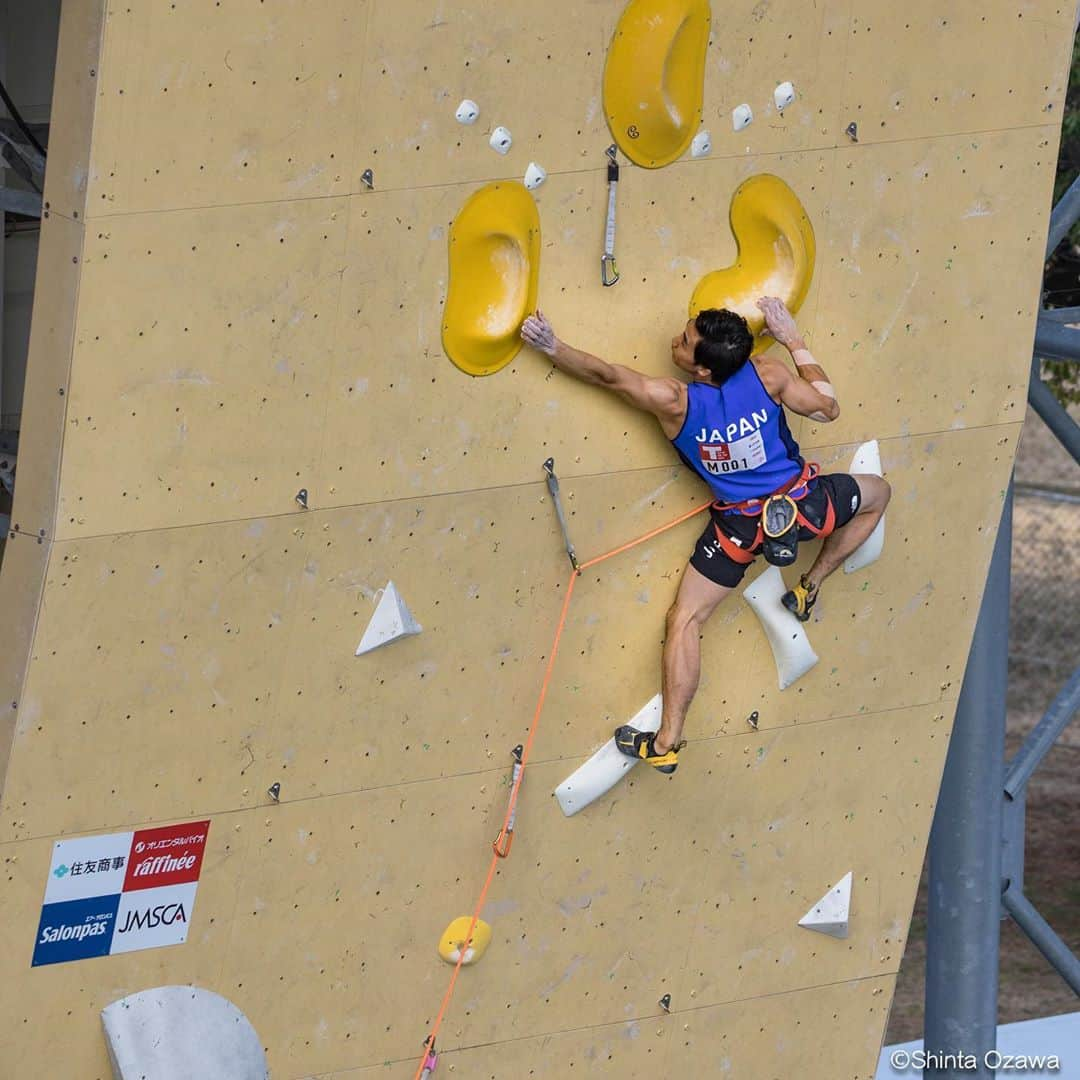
x=776 y=252
x=454 y=937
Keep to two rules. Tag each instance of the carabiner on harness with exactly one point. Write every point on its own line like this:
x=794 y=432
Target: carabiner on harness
x=780 y=530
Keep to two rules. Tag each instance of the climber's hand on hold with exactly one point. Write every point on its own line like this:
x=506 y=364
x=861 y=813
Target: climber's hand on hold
x=780 y=322
x=537 y=332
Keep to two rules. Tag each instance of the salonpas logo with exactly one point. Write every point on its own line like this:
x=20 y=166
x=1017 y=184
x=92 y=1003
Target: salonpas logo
x=72 y=933
x=148 y=918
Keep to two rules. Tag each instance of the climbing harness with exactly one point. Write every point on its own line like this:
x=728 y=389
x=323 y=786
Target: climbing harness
x=502 y=843
x=609 y=272
x=794 y=491
x=427 y=1065
x=553 y=487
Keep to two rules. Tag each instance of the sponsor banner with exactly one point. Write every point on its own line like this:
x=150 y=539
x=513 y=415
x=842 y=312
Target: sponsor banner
x=148 y=918
x=169 y=856
x=120 y=892
x=88 y=866
x=75 y=929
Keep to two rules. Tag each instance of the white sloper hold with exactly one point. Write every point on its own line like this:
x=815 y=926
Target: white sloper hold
x=702 y=145
x=501 y=140
x=467 y=112
x=867 y=459
x=606 y=767
x=392 y=620
x=783 y=95
x=177 y=1032
x=830 y=914
x=741 y=115
x=535 y=175
x=791 y=647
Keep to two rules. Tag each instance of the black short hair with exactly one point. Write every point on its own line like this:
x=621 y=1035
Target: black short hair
x=725 y=342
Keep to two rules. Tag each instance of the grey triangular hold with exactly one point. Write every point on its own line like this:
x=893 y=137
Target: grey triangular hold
x=830 y=914
x=392 y=619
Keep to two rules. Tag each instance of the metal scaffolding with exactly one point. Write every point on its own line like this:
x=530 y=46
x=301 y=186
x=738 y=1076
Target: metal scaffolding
x=976 y=864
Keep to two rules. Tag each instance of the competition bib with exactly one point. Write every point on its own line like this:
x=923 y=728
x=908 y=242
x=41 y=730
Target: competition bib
x=727 y=457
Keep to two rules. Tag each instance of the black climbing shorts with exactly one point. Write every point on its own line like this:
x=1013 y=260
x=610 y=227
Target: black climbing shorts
x=709 y=557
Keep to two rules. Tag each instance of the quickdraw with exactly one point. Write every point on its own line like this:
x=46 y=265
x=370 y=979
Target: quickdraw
x=502 y=843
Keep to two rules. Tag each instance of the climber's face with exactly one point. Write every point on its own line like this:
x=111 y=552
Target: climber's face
x=682 y=348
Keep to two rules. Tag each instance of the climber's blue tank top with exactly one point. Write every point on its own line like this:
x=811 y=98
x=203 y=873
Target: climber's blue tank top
x=737 y=438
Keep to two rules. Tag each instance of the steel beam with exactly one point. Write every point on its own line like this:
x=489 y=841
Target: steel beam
x=964 y=909
x=1043 y=937
x=1043 y=736
x=14 y=201
x=1061 y=314
x=1054 y=414
x=1064 y=216
x=1054 y=341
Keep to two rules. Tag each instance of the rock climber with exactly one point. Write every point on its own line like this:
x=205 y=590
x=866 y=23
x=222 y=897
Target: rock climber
x=728 y=425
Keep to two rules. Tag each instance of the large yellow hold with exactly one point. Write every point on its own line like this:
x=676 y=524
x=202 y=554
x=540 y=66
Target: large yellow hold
x=776 y=254
x=494 y=277
x=654 y=78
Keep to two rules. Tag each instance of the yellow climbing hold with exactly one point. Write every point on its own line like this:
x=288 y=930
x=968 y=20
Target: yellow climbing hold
x=654 y=78
x=775 y=254
x=453 y=939
x=494 y=277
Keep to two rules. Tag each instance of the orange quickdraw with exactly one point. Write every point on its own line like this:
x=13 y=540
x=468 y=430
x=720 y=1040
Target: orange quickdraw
x=507 y=833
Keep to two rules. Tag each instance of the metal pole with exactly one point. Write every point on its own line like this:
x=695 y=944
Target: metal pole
x=964 y=911
x=1043 y=736
x=1043 y=937
x=1056 y=341
x=1063 y=216
x=1054 y=415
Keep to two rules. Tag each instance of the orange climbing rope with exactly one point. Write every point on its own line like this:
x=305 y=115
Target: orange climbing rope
x=501 y=845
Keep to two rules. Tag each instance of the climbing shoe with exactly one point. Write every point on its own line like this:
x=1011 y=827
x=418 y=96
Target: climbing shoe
x=800 y=600
x=639 y=745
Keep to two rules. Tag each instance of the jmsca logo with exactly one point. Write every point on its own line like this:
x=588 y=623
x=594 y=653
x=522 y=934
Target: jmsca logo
x=148 y=918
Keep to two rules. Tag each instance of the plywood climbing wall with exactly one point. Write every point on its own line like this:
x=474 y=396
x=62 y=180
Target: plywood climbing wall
x=226 y=314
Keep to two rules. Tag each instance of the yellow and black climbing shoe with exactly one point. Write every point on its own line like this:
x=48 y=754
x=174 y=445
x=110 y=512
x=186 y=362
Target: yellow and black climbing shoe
x=800 y=600
x=639 y=745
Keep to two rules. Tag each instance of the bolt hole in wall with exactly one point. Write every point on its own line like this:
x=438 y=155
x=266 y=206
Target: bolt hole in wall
x=28 y=35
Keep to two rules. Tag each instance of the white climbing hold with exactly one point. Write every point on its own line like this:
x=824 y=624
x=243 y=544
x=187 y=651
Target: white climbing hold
x=501 y=140
x=702 y=144
x=741 y=115
x=867 y=459
x=784 y=95
x=606 y=767
x=392 y=620
x=467 y=112
x=791 y=647
x=535 y=175
x=830 y=914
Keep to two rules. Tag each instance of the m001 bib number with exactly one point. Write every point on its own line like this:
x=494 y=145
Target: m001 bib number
x=720 y=458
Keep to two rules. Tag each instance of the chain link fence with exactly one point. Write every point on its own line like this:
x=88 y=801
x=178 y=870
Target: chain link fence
x=1044 y=642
